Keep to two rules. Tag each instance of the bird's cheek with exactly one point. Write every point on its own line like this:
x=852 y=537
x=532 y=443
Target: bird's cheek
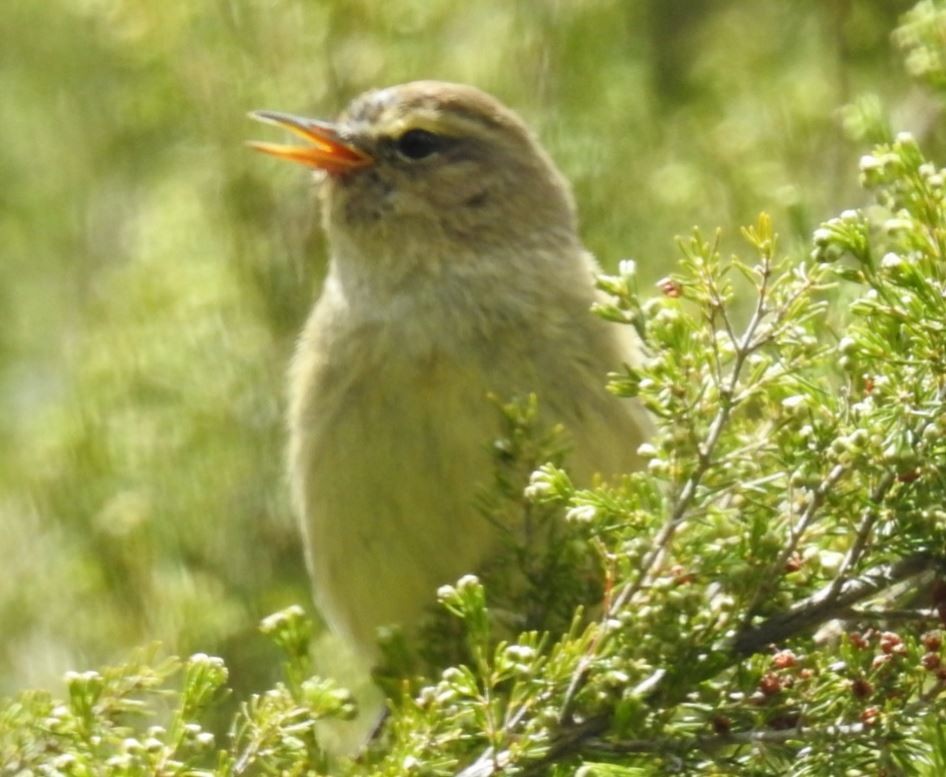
x=408 y=204
x=349 y=201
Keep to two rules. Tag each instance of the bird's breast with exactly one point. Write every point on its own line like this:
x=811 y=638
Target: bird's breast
x=390 y=432
x=387 y=450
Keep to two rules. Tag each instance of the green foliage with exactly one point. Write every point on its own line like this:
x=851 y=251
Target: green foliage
x=110 y=722
x=759 y=614
x=153 y=274
x=766 y=598
x=921 y=34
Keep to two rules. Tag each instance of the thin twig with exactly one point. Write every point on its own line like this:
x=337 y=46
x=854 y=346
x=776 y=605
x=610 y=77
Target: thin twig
x=710 y=744
x=744 y=346
x=705 y=452
x=490 y=762
x=868 y=519
x=795 y=534
x=826 y=604
x=888 y=616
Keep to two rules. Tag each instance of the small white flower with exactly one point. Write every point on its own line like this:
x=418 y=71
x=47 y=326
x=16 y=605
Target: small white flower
x=864 y=407
x=131 y=745
x=467 y=581
x=451 y=674
x=667 y=316
x=897 y=225
x=830 y=560
x=891 y=261
x=611 y=625
x=538 y=484
x=627 y=268
x=795 y=403
x=658 y=467
x=581 y=513
x=520 y=652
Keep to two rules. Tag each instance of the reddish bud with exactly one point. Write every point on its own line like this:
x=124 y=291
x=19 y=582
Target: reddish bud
x=721 y=724
x=870 y=716
x=794 y=562
x=789 y=719
x=670 y=287
x=932 y=640
x=891 y=643
x=784 y=659
x=680 y=575
x=770 y=684
x=861 y=688
x=858 y=640
x=931 y=661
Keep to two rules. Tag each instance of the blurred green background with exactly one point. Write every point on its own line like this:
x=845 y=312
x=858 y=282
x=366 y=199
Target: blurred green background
x=153 y=272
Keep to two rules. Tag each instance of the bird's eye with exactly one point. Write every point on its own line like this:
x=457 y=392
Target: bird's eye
x=418 y=143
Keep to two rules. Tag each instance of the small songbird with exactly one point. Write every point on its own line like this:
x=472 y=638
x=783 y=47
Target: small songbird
x=456 y=272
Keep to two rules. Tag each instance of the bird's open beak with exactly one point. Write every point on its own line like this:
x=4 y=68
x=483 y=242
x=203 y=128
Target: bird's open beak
x=328 y=151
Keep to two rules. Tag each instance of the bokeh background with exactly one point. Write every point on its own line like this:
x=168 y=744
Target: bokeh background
x=153 y=272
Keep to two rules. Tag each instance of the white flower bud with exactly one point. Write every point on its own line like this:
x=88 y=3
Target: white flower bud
x=581 y=513
x=891 y=261
x=467 y=581
x=847 y=344
x=795 y=404
x=627 y=268
x=897 y=225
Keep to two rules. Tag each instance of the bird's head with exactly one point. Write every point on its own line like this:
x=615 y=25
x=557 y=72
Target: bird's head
x=431 y=164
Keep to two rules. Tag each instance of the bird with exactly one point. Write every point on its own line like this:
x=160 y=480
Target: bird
x=456 y=272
